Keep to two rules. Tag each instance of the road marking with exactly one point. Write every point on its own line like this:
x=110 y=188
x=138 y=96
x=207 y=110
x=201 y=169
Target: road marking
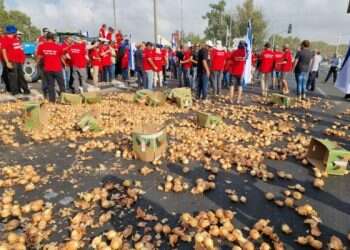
x=321 y=92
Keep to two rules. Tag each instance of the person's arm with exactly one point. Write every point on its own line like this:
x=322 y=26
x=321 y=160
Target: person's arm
x=5 y=57
x=150 y=60
x=206 y=67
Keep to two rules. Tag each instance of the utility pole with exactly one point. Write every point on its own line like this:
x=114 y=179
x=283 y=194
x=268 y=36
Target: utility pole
x=115 y=14
x=156 y=7
x=182 y=21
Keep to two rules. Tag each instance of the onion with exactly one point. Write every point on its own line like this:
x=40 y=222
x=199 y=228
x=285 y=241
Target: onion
x=111 y=234
x=158 y=228
x=166 y=229
x=254 y=234
x=336 y=243
x=269 y=196
x=302 y=240
x=248 y=246
x=319 y=183
x=289 y=202
x=286 y=229
x=297 y=195
x=116 y=243
x=12 y=238
x=209 y=243
x=76 y=235
x=264 y=246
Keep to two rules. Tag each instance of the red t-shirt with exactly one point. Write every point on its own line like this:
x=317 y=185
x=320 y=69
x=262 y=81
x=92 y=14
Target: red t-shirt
x=65 y=48
x=109 y=36
x=96 y=57
x=125 y=59
x=41 y=39
x=287 y=59
x=238 y=62
x=267 y=58
x=51 y=54
x=187 y=55
x=218 y=60
x=118 y=38
x=13 y=47
x=1 y=38
x=102 y=33
x=278 y=60
x=228 y=62
x=147 y=54
x=164 y=56
x=106 y=58
x=158 y=60
x=77 y=52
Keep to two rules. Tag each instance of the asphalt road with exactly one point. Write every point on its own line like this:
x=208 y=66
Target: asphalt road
x=333 y=204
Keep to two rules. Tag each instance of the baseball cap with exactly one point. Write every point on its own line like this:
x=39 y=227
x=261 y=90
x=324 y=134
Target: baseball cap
x=11 y=29
x=209 y=43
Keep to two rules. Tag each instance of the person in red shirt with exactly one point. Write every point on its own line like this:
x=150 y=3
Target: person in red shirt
x=109 y=35
x=13 y=56
x=276 y=75
x=187 y=65
x=227 y=69
x=286 y=68
x=103 y=31
x=267 y=58
x=148 y=64
x=42 y=38
x=125 y=62
x=218 y=57
x=67 y=74
x=118 y=37
x=52 y=56
x=106 y=61
x=78 y=55
x=158 y=72
x=96 y=63
x=238 y=58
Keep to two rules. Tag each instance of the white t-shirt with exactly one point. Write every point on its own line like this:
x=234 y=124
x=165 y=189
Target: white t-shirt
x=316 y=62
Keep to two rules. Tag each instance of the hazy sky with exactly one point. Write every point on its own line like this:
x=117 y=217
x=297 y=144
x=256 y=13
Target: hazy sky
x=312 y=19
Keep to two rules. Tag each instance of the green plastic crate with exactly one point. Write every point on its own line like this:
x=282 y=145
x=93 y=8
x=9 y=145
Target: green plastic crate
x=325 y=154
x=141 y=95
x=149 y=144
x=89 y=123
x=91 y=97
x=179 y=93
x=207 y=120
x=33 y=115
x=282 y=100
x=184 y=102
x=155 y=99
x=72 y=99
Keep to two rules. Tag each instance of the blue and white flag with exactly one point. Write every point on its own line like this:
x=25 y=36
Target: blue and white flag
x=173 y=41
x=343 y=80
x=132 y=49
x=247 y=75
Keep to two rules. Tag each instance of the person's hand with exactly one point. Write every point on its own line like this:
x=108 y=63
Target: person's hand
x=9 y=65
x=208 y=74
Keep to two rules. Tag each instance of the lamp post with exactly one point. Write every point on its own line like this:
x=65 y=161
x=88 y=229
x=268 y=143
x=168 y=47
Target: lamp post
x=155 y=6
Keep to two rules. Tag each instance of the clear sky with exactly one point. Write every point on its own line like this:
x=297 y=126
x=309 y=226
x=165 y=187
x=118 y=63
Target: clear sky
x=312 y=19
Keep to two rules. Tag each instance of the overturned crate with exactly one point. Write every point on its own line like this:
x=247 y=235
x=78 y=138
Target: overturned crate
x=184 y=102
x=155 y=99
x=282 y=100
x=141 y=95
x=72 y=99
x=182 y=97
x=88 y=123
x=328 y=157
x=149 y=143
x=207 y=120
x=91 y=97
x=35 y=115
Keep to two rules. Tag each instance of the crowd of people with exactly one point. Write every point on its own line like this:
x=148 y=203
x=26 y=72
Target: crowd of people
x=205 y=68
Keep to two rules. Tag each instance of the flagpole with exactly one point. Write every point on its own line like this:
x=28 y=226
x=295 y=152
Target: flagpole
x=115 y=14
x=155 y=6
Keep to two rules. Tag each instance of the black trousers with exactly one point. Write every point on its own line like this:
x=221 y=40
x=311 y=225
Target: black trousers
x=51 y=77
x=332 y=71
x=311 y=82
x=17 y=82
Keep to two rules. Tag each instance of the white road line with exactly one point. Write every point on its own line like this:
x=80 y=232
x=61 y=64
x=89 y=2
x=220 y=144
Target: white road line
x=321 y=92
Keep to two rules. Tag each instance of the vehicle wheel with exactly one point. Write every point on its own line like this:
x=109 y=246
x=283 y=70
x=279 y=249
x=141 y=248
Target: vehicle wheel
x=31 y=70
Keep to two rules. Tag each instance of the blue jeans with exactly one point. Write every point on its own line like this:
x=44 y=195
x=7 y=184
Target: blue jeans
x=301 y=78
x=107 y=73
x=66 y=77
x=149 y=77
x=1 y=71
x=125 y=74
x=186 y=77
x=202 y=91
x=113 y=70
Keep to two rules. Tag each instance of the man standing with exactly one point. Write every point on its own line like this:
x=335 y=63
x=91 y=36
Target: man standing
x=335 y=65
x=286 y=68
x=13 y=56
x=42 y=38
x=67 y=68
x=315 y=66
x=186 y=65
x=238 y=58
x=203 y=72
x=266 y=67
x=148 y=64
x=158 y=74
x=276 y=75
x=103 y=31
x=139 y=66
x=217 y=56
x=79 y=57
x=52 y=56
x=301 y=68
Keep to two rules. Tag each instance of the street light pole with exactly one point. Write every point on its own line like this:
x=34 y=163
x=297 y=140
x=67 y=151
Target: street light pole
x=155 y=5
x=115 y=14
x=182 y=21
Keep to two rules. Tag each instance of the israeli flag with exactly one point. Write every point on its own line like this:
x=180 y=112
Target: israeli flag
x=343 y=81
x=132 y=49
x=247 y=75
x=173 y=41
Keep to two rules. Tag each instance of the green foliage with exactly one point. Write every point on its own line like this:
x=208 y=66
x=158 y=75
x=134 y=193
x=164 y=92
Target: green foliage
x=224 y=25
x=193 y=38
x=327 y=50
x=21 y=20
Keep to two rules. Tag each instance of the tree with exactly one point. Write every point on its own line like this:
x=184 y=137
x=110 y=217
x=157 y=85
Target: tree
x=193 y=38
x=224 y=25
x=218 y=22
x=21 y=20
x=248 y=12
